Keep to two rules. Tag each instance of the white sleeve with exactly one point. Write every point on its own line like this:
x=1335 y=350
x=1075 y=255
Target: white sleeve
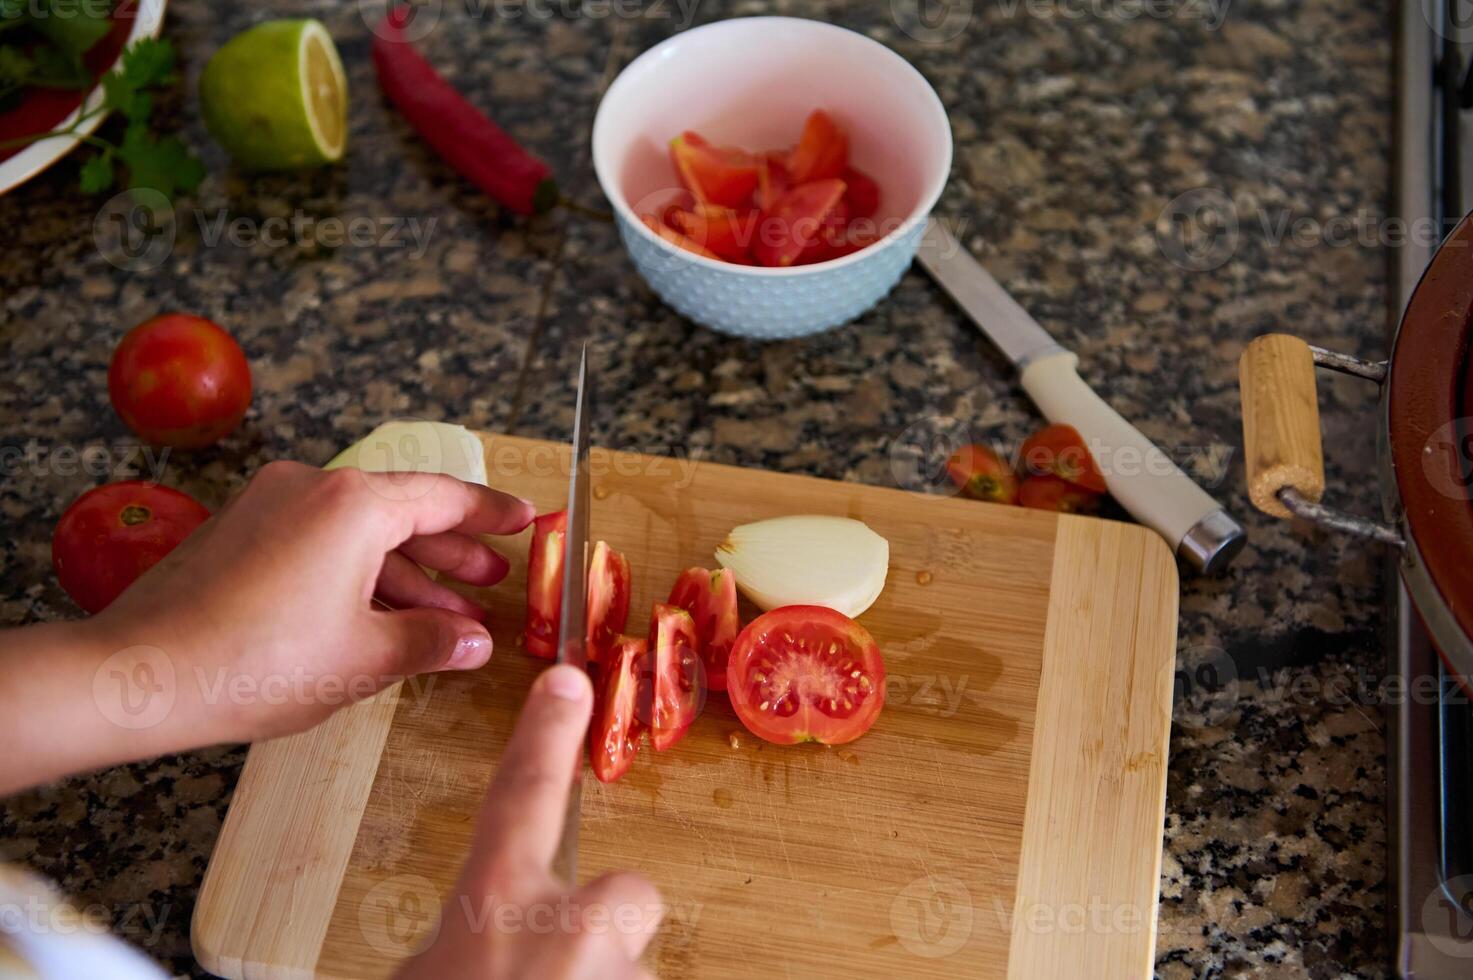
x=48 y=934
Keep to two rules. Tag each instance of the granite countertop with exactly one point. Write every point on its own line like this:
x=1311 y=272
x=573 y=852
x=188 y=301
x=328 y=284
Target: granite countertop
x=1076 y=125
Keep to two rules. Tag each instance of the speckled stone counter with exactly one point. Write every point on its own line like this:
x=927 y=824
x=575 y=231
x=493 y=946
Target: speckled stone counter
x=1076 y=124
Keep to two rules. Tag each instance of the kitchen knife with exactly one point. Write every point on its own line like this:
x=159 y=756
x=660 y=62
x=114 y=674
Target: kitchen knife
x=572 y=621
x=1139 y=475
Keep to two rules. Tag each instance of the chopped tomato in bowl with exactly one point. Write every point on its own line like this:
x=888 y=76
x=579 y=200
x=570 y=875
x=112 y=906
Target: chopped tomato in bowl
x=774 y=103
x=775 y=208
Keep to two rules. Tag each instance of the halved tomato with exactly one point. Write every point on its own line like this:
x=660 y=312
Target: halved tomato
x=806 y=674
x=608 y=599
x=794 y=222
x=862 y=193
x=1060 y=450
x=1050 y=492
x=674 y=685
x=714 y=174
x=822 y=151
x=676 y=238
x=711 y=599
x=615 y=729
x=545 y=583
x=725 y=231
x=982 y=474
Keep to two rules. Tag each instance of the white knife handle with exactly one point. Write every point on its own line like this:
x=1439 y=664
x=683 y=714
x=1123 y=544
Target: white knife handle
x=1143 y=478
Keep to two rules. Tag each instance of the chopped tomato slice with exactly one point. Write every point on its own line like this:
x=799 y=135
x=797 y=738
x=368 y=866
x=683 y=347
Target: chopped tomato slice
x=711 y=599
x=545 y=583
x=822 y=151
x=615 y=729
x=982 y=474
x=726 y=232
x=674 y=685
x=794 y=222
x=806 y=674
x=714 y=174
x=861 y=193
x=1060 y=450
x=676 y=238
x=1050 y=492
x=608 y=599
x=772 y=181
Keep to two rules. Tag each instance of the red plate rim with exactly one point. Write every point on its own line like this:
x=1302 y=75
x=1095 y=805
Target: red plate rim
x=1429 y=404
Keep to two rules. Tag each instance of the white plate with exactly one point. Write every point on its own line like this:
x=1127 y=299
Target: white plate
x=43 y=153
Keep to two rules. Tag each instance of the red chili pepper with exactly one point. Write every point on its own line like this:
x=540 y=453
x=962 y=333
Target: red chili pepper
x=470 y=142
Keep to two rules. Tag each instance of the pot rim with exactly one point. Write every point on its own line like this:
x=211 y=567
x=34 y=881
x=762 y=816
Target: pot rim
x=1428 y=403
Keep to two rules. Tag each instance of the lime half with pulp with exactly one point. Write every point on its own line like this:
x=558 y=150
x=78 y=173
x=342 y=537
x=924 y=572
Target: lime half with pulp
x=276 y=98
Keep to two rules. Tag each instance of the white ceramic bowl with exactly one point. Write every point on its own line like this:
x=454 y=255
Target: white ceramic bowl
x=751 y=82
x=148 y=21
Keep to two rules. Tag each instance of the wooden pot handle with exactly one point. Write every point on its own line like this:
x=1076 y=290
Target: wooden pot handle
x=1281 y=422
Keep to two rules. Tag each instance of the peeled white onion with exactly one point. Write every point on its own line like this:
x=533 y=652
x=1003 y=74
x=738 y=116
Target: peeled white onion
x=417 y=447
x=808 y=559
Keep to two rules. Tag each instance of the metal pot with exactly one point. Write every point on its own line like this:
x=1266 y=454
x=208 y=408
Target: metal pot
x=1425 y=442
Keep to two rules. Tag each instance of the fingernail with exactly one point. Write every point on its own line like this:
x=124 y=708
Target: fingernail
x=471 y=651
x=568 y=683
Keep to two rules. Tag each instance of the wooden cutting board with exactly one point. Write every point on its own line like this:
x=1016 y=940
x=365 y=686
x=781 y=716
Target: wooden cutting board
x=1002 y=819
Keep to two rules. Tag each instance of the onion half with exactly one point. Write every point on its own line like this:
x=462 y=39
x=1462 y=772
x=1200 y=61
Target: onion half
x=808 y=559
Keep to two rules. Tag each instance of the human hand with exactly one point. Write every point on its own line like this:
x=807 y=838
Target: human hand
x=264 y=616
x=509 y=915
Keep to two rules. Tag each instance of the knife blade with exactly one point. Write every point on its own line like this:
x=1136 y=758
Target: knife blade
x=572 y=624
x=1138 y=474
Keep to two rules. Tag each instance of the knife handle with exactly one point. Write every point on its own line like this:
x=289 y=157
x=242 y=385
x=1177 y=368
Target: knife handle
x=1143 y=478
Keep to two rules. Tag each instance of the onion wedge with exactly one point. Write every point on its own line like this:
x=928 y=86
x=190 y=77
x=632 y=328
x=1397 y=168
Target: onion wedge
x=810 y=560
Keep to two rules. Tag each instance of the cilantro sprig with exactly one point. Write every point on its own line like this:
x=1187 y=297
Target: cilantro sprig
x=163 y=163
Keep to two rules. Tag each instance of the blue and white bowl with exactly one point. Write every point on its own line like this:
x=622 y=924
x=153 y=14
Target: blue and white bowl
x=751 y=82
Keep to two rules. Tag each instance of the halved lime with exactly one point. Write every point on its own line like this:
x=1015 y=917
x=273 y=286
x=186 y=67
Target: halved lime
x=276 y=98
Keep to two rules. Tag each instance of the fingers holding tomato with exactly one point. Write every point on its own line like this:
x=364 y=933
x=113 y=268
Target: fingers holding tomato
x=179 y=380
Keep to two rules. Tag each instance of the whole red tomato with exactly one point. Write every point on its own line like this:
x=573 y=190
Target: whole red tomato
x=114 y=533
x=179 y=380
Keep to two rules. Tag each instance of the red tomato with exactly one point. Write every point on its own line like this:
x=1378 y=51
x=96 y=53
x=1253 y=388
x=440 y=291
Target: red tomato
x=179 y=380
x=711 y=599
x=676 y=238
x=615 y=729
x=1052 y=493
x=545 y=584
x=772 y=181
x=822 y=151
x=724 y=231
x=981 y=474
x=714 y=174
x=862 y=193
x=608 y=599
x=794 y=222
x=674 y=683
x=1060 y=450
x=806 y=674
x=114 y=533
